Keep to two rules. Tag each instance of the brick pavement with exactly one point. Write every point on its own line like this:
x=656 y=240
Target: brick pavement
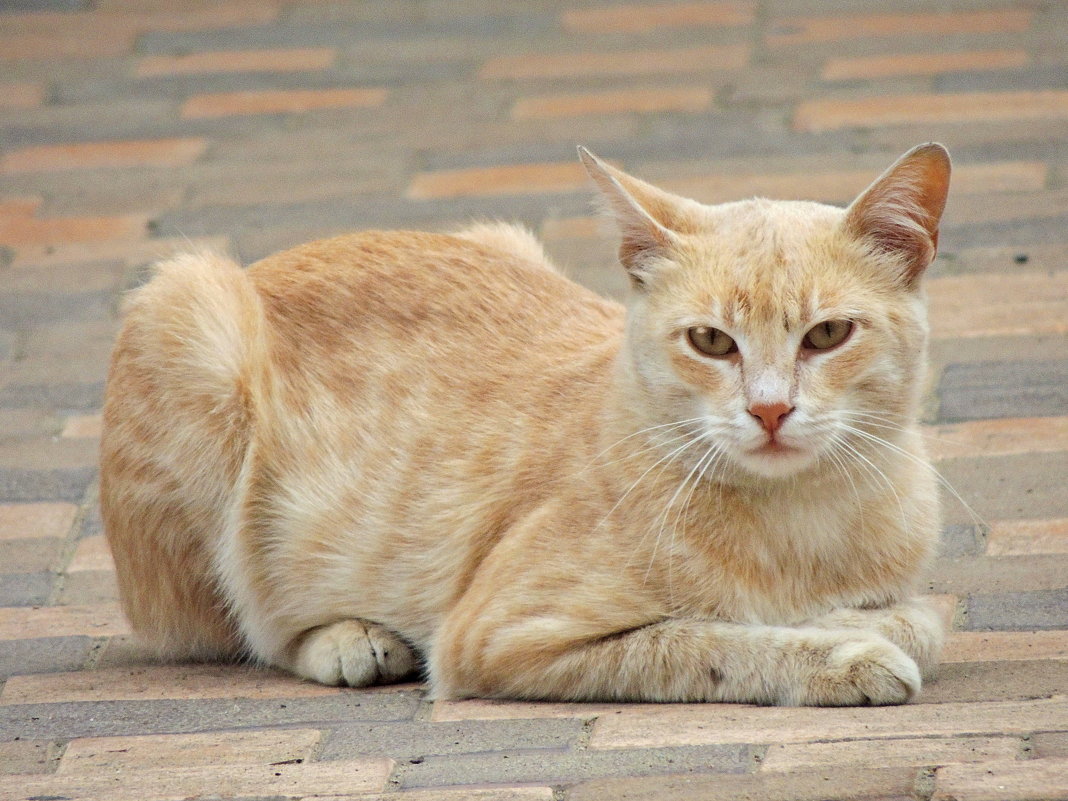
x=131 y=127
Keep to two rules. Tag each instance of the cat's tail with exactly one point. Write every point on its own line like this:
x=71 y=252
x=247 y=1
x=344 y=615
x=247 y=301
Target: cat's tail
x=178 y=414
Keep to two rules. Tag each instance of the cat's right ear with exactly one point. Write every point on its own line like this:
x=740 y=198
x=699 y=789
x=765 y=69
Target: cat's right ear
x=649 y=219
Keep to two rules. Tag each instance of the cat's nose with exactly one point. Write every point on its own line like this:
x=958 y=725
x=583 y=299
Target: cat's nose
x=770 y=415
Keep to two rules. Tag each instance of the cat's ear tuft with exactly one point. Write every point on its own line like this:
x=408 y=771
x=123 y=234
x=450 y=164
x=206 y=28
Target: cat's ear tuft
x=649 y=219
x=899 y=213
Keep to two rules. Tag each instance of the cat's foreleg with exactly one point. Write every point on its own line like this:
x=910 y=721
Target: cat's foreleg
x=353 y=652
x=674 y=660
x=915 y=626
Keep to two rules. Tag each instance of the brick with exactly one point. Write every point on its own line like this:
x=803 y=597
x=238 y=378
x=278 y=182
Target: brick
x=1017 y=487
x=1027 y=611
x=26 y=589
x=174 y=152
x=30 y=556
x=464 y=794
x=165 y=784
x=278 y=60
x=1023 y=537
x=1009 y=680
x=998 y=437
x=20 y=232
x=913 y=751
x=130 y=251
x=925 y=109
x=1000 y=574
x=1003 y=781
x=157 y=682
x=889 y=66
x=26 y=756
x=421 y=739
x=61 y=621
x=479 y=709
x=1049 y=744
x=295 y=101
x=1033 y=208
x=819 y=785
x=1021 y=303
x=622 y=101
x=66 y=45
x=640 y=19
x=961 y=539
x=63 y=484
x=490 y=181
x=82 y=426
x=21 y=95
x=23 y=520
x=624 y=63
x=810 y=30
x=39 y=655
x=88 y=588
x=696 y=724
x=113 y=754
x=92 y=553
x=1004 y=389
x=1005 y=646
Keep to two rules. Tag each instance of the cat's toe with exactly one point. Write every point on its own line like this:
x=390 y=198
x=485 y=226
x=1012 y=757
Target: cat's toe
x=354 y=653
x=866 y=670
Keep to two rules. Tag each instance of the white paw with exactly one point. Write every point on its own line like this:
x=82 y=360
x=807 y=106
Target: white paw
x=863 y=669
x=353 y=652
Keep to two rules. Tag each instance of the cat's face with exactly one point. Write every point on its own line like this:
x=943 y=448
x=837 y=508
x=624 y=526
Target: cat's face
x=785 y=334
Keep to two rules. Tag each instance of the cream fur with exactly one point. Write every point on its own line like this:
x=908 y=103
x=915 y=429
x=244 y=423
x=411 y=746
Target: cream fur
x=392 y=448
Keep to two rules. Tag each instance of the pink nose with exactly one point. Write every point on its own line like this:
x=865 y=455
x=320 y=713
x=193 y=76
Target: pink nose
x=770 y=415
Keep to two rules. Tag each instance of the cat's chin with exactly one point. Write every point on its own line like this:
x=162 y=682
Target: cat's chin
x=774 y=460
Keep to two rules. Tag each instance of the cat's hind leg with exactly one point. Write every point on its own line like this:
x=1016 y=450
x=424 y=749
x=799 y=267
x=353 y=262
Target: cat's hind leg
x=353 y=652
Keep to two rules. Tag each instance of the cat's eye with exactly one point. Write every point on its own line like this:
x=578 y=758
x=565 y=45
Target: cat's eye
x=710 y=341
x=827 y=335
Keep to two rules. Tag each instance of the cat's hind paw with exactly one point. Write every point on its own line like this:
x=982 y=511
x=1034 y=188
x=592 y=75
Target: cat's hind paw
x=353 y=652
x=863 y=670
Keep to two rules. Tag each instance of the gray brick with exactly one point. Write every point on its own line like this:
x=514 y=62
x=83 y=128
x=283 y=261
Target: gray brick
x=88 y=587
x=110 y=718
x=1018 y=611
x=70 y=484
x=25 y=589
x=1003 y=389
x=34 y=555
x=1034 y=78
x=1049 y=744
x=559 y=766
x=28 y=423
x=1003 y=574
x=1007 y=487
x=965 y=682
x=44 y=655
x=66 y=396
x=417 y=741
x=962 y=540
x=1011 y=232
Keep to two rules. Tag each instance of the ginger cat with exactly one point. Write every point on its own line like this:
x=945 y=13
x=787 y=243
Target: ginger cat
x=392 y=450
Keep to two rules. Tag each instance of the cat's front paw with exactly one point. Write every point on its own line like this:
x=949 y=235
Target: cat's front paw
x=861 y=670
x=353 y=652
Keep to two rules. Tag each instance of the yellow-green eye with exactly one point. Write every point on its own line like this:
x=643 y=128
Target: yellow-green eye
x=710 y=341
x=827 y=335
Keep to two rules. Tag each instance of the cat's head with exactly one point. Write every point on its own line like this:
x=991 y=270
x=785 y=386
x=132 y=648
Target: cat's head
x=780 y=329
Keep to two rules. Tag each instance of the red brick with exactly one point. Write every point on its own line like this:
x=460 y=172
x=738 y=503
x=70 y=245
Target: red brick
x=350 y=777
x=175 y=152
x=519 y=179
x=997 y=437
x=132 y=252
x=26 y=756
x=889 y=66
x=26 y=520
x=66 y=44
x=1019 y=537
x=478 y=709
x=828 y=114
x=22 y=231
x=809 y=30
x=623 y=63
x=17 y=623
x=83 y=426
x=92 y=553
x=996 y=304
x=622 y=101
x=1027 y=780
x=702 y=724
x=21 y=95
x=295 y=101
x=112 y=754
x=638 y=19
x=225 y=61
x=157 y=682
x=1005 y=646
x=913 y=751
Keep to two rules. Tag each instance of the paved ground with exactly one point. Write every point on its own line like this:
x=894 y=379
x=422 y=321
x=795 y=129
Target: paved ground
x=130 y=127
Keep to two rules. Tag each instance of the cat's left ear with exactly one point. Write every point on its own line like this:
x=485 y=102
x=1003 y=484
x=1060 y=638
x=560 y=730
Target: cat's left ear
x=649 y=219
x=900 y=212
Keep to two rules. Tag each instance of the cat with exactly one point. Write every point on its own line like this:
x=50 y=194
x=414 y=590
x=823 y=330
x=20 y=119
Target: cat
x=390 y=452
